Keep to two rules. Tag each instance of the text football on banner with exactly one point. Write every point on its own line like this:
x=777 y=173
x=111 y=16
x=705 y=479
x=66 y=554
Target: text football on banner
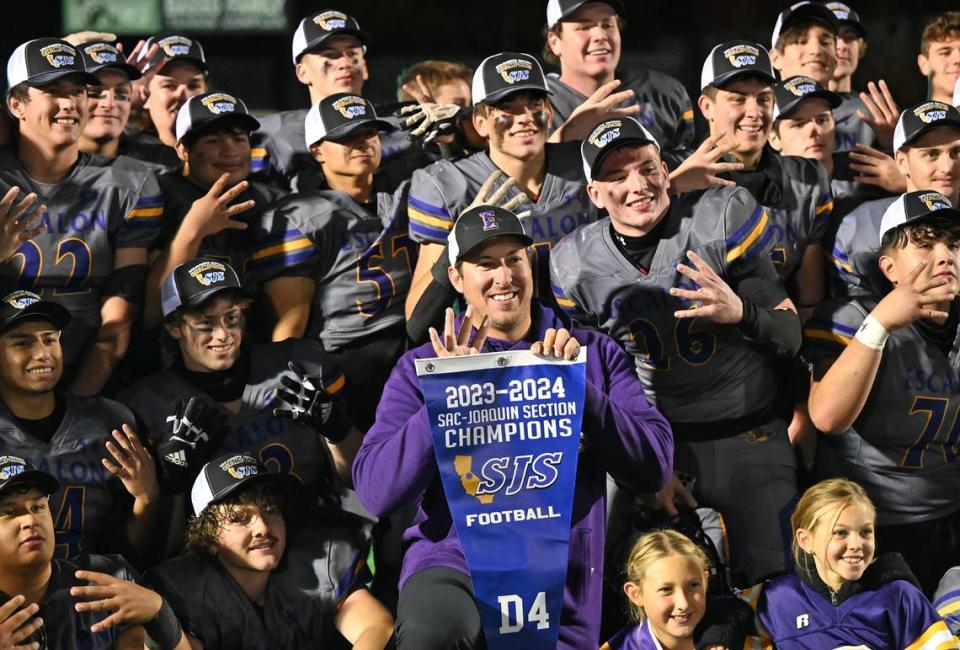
x=506 y=431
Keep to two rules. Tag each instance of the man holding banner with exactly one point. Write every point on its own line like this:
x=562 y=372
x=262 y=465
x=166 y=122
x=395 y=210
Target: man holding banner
x=506 y=456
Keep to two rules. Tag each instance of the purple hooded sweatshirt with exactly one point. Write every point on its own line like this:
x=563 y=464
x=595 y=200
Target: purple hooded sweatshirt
x=624 y=435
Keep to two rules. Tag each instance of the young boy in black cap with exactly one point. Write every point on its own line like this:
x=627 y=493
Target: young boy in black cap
x=102 y=214
x=245 y=583
x=69 y=435
x=46 y=602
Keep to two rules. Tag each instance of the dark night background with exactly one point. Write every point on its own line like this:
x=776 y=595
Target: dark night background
x=672 y=37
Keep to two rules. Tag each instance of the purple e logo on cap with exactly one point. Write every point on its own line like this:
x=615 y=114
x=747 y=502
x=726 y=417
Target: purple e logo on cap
x=489 y=220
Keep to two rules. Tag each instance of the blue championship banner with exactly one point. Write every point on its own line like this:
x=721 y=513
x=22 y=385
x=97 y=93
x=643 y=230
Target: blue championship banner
x=506 y=431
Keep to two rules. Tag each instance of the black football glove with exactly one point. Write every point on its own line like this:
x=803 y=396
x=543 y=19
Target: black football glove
x=193 y=433
x=304 y=401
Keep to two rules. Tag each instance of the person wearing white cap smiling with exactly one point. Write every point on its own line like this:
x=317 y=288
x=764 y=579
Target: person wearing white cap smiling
x=250 y=581
x=102 y=214
x=884 y=385
x=513 y=112
x=641 y=275
x=584 y=38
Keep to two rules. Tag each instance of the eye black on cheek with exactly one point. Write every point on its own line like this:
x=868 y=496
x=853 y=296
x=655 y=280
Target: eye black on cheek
x=502 y=123
x=541 y=118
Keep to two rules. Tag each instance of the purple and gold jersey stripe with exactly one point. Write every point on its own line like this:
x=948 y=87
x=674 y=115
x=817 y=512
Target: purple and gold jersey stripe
x=833 y=335
x=751 y=236
x=840 y=262
x=287 y=249
x=258 y=159
x=147 y=213
x=430 y=221
x=948 y=607
x=824 y=207
x=935 y=637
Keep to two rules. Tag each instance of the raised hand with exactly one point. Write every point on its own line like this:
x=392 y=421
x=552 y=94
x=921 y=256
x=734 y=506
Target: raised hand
x=304 y=400
x=717 y=301
x=213 y=212
x=597 y=107
x=132 y=463
x=430 y=121
x=140 y=87
x=701 y=169
x=557 y=343
x=193 y=432
x=419 y=91
x=129 y=602
x=457 y=343
x=883 y=112
x=18 y=624
x=19 y=222
x=874 y=167
x=914 y=298
x=484 y=197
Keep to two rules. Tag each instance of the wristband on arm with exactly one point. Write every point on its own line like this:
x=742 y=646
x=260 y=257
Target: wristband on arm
x=777 y=329
x=164 y=631
x=872 y=334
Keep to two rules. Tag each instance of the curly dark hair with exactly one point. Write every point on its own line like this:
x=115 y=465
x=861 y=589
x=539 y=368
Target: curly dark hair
x=203 y=531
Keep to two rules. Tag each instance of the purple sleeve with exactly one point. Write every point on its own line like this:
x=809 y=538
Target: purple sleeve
x=631 y=436
x=396 y=463
x=917 y=625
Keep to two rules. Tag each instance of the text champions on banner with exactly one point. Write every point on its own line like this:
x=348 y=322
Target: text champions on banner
x=506 y=432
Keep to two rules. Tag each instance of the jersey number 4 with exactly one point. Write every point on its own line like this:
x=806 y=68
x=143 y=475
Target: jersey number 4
x=695 y=348
x=72 y=251
x=936 y=410
x=374 y=267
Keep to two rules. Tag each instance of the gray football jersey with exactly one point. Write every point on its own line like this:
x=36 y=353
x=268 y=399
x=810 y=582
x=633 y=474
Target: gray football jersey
x=904 y=446
x=850 y=130
x=854 y=251
x=694 y=370
x=444 y=189
x=800 y=214
x=280 y=153
x=362 y=261
x=86 y=508
x=101 y=206
x=278 y=442
x=322 y=566
x=665 y=108
x=230 y=245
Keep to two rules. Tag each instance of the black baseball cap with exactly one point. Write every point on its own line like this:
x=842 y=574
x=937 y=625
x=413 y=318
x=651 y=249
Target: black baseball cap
x=102 y=55
x=193 y=283
x=338 y=115
x=229 y=473
x=480 y=224
x=608 y=136
x=847 y=17
x=19 y=471
x=172 y=47
x=315 y=29
x=804 y=12
x=791 y=92
x=506 y=73
x=42 y=61
x=557 y=10
x=732 y=59
x=202 y=111
x=914 y=207
x=21 y=306
x=925 y=116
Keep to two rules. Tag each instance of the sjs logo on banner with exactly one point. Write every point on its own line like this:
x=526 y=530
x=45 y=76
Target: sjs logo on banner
x=506 y=432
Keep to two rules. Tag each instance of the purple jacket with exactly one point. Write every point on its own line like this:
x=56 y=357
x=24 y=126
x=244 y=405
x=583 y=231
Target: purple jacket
x=625 y=436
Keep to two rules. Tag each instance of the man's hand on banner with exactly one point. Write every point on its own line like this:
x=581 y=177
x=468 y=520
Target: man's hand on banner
x=457 y=343
x=557 y=343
